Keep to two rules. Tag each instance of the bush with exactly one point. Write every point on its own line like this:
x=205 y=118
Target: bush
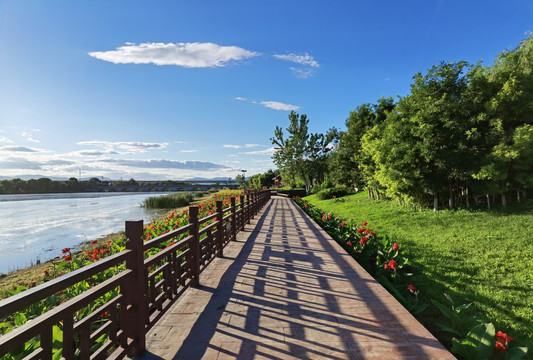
x=333 y=192
x=292 y=192
x=199 y=194
x=167 y=201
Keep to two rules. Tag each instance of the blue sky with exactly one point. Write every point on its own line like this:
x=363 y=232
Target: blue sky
x=181 y=89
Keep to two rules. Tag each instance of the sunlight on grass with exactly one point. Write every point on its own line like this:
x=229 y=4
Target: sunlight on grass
x=475 y=256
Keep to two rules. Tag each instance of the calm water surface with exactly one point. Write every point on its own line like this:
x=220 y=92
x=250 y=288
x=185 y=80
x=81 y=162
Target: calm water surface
x=39 y=226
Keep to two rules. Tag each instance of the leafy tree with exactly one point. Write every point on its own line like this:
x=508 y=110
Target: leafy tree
x=302 y=155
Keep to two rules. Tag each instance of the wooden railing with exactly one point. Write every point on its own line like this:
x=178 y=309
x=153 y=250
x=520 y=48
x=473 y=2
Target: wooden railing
x=122 y=308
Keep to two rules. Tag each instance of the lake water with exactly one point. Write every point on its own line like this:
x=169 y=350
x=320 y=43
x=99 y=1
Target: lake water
x=39 y=226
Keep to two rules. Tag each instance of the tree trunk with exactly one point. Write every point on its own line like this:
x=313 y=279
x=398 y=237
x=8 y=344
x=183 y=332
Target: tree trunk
x=369 y=194
x=476 y=199
x=467 y=199
x=518 y=195
x=435 y=202
x=524 y=194
x=450 y=200
x=488 y=201
x=504 y=200
x=378 y=195
x=421 y=207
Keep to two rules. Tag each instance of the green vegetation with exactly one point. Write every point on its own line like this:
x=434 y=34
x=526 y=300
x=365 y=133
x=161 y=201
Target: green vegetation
x=472 y=255
x=462 y=136
x=168 y=201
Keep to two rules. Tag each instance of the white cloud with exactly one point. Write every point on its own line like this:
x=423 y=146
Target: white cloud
x=188 y=151
x=240 y=98
x=279 y=106
x=299 y=59
x=19 y=149
x=166 y=164
x=269 y=151
x=245 y=146
x=94 y=153
x=302 y=73
x=5 y=140
x=132 y=147
x=29 y=137
x=188 y=55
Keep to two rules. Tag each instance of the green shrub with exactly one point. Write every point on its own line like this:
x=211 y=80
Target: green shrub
x=292 y=192
x=333 y=192
x=198 y=194
x=167 y=201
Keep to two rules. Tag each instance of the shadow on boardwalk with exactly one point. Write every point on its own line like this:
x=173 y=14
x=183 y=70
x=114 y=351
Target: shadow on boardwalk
x=286 y=290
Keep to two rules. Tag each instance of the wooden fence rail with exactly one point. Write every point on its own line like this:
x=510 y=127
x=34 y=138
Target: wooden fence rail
x=123 y=307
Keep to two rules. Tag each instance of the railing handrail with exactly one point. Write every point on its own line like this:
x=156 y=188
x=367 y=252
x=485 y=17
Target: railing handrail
x=23 y=299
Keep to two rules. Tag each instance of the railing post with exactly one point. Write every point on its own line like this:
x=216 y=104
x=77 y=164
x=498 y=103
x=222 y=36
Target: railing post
x=135 y=291
x=233 y=220
x=248 y=210
x=220 y=229
x=194 y=246
x=241 y=197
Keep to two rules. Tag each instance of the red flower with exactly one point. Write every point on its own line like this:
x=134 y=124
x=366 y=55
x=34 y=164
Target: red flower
x=503 y=338
x=94 y=241
x=45 y=272
x=500 y=347
x=68 y=258
x=395 y=247
x=305 y=204
x=329 y=217
x=391 y=265
x=359 y=231
x=342 y=224
x=412 y=289
x=364 y=223
x=363 y=240
x=65 y=250
x=373 y=233
x=367 y=231
x=349 y=243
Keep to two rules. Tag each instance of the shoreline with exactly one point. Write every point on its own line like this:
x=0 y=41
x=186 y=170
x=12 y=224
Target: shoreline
x=34 y=274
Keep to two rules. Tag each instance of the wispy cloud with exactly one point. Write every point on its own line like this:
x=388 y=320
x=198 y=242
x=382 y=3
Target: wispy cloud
x=29 y=137
x=245 y=146
x=188 y=55
x=95 y=153
x=276 y=105
x=269 y=151
x=5 y=140
x=166 y=164
x=188 y=151
x=19 y=149
x=132 y=147
x=240 y=98
x=27 y=164
x=302 y=73
x=305 y=59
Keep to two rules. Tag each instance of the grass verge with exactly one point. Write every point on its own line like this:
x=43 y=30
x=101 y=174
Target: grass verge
x=473 y=255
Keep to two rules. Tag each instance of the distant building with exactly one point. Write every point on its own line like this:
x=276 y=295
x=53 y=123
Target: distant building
x=277 y=182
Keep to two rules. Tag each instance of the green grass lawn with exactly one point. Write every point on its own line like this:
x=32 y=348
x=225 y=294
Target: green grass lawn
x=472 y=255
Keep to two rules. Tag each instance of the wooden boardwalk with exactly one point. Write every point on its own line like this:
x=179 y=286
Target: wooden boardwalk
x=286 y=290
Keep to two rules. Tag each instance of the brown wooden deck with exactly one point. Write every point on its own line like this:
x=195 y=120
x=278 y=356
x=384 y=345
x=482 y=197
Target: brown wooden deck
x=286 y=290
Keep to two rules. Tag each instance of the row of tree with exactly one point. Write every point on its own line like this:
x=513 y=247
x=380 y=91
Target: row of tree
x=464 y=131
